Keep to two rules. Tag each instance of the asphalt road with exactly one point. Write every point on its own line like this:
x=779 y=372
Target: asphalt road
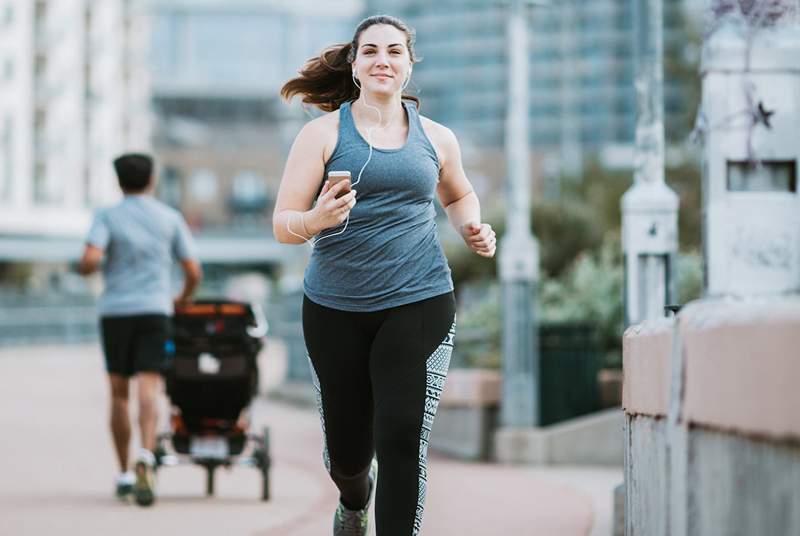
x=57 y=471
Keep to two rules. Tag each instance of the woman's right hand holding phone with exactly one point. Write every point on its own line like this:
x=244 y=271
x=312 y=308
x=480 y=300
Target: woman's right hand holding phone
x=329 y=211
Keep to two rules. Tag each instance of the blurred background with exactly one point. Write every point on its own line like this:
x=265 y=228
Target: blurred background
x=196 y=82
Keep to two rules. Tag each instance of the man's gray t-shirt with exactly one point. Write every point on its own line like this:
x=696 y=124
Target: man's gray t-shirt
x=140 y=236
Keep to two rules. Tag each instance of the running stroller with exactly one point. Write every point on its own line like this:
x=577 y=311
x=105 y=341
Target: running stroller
x=211 y=378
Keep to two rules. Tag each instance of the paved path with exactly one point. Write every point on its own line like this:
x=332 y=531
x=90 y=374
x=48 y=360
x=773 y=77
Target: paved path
x=57 y=469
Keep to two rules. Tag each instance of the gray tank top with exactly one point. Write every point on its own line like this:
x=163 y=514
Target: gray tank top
x=390 y=253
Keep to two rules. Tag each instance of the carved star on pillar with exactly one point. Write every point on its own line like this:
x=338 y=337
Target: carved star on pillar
x=762 y=115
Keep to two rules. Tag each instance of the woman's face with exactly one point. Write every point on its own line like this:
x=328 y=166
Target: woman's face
x=383 y=62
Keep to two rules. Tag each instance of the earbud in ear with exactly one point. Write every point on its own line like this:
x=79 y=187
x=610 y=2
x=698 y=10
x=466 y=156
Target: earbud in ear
x=408 y=79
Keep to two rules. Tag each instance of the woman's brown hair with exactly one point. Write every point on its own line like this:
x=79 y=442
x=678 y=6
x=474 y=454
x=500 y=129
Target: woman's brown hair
x=326 y=81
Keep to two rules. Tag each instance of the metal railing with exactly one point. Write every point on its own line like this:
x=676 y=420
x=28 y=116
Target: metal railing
x=41 y=319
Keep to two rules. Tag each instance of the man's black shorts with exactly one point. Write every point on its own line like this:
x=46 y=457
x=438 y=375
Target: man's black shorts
x=135 y=343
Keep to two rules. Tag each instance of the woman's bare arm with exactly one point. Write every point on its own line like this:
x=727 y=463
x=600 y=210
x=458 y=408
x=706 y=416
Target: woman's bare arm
x=456 y=194
x=294 y=221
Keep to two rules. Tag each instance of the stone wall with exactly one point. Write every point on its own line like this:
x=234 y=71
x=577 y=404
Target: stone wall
x=712 y=420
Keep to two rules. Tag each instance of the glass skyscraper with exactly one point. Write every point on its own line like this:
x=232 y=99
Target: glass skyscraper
x=582 y=96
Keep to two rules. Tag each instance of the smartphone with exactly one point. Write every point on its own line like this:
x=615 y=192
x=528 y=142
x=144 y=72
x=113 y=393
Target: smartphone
x=337 y=176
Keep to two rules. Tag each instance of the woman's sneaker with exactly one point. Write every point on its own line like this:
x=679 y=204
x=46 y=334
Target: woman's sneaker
x=125 y=483
x=348 y=522
x=143 y=488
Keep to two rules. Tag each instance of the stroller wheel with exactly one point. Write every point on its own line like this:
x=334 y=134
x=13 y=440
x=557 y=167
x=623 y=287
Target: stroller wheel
x=210 y=480
x=264 y=464
x=159 y=453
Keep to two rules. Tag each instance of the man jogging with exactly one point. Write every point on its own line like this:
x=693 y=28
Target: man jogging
x=139 y=238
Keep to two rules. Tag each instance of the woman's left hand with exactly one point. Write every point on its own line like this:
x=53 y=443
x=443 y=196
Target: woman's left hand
x=480 y=238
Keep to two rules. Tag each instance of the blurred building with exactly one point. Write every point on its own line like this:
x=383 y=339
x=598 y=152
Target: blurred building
x=195 y=81
x=73 y=94
x=222 y=132
x=582 y=99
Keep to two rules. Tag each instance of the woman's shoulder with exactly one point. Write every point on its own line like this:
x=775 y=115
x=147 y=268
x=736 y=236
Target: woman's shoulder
x=442 y=138
x=436 y=130
x=324 y=124
x=321 y=132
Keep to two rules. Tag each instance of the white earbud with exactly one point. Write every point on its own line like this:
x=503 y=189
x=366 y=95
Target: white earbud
x=408 y=79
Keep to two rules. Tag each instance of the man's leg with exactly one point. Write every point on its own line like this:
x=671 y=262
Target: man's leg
x=152 y=332
x=148 y=385
x=120 y=419
x=147 y=390
x=116 y=338
x=149 y=356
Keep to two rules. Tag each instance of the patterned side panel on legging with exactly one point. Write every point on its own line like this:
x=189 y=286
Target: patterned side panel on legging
x=437 y=366
x=318 y=397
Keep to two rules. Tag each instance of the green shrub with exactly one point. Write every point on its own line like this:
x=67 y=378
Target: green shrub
x=563 y=230
x=580 y=260
x=589 y=291
x=478 y=330
x=689 y=282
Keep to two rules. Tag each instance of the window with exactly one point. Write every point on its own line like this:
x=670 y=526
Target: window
x=169 y=186
x=203 y=185
x=249 y=186
x=229 y=49
x=762 y=176
x=249 y=193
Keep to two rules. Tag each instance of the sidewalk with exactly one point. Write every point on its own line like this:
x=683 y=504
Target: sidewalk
x=57 y=470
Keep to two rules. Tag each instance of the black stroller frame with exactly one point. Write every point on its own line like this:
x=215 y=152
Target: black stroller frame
x=211 y=379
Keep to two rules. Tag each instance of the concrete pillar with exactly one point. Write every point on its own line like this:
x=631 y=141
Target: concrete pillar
x=519 y=252
x=751 y=86
x=709 y=407
x=649 y=207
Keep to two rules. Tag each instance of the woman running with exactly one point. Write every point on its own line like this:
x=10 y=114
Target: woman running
x=378 y=310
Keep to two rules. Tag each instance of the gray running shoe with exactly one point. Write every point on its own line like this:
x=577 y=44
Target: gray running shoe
x=348 y=522
x=125 y=486
x=144 y=487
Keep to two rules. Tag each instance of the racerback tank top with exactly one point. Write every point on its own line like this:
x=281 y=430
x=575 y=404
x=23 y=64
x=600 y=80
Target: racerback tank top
x=389 y=255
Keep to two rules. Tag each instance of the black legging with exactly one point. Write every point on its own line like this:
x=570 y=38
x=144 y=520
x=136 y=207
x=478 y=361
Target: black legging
x=379 y=376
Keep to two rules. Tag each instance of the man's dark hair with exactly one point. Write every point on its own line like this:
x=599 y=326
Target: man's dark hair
x=134 y=171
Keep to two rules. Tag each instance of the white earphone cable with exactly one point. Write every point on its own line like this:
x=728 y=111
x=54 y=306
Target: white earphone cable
x=313 y=241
